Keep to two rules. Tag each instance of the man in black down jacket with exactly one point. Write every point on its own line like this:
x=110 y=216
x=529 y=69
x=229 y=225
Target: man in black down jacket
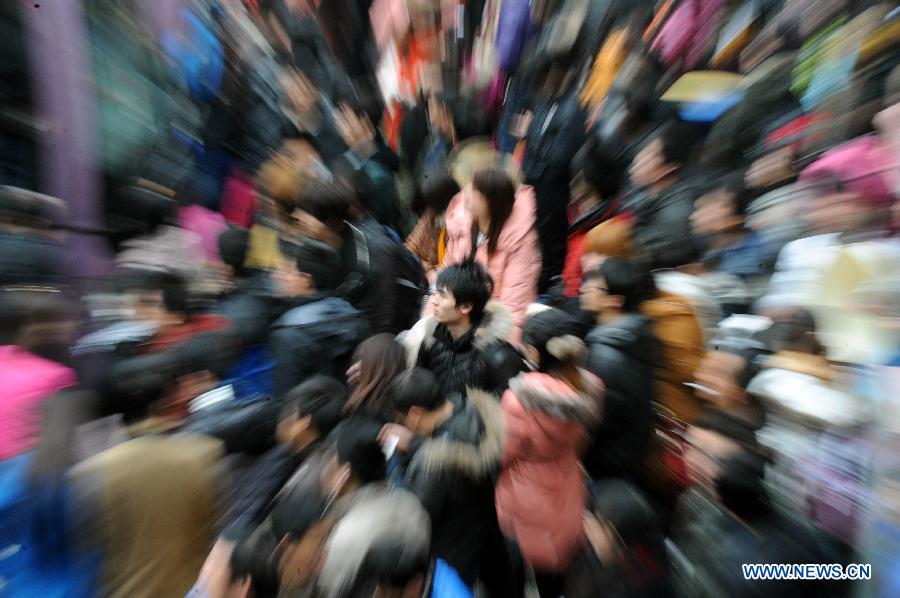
x=464 y=343
x=662 y=204
x=318 y=333
x=454 y=447
x=622 y=352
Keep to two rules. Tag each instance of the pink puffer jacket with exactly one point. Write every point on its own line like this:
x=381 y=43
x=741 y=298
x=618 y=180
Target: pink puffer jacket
x=541 y=493
x=27 y=381
x=515 y=265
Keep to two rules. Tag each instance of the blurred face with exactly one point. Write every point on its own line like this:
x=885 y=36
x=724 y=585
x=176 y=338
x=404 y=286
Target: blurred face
x=714 y=214
x=649 y=165
x=834 y=211
x=301 y=94
x=477 y=204
x=703 y=456
x=770 y=169
x=583 y=195
x=446 y=310
x=594 y=297
x=717 y=375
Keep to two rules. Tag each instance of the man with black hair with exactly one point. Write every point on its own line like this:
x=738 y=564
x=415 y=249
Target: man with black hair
x=555 y=132
x=249 y=304
x=319 y=331
x=719 y=224
x=623 y=353
x=454 y=447
x=337 y=214
x=151 y=504
x=310 y=412
x=660 y=206
x=454 y=343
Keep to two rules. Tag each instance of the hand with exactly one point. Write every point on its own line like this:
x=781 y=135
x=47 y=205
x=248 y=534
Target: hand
x=403 y=434
x=300 y=91
x=353 y=373
x=521 y=124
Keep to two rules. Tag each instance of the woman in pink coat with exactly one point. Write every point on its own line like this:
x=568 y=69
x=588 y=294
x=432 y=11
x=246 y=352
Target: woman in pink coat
x=541 y=493
x=493 y=221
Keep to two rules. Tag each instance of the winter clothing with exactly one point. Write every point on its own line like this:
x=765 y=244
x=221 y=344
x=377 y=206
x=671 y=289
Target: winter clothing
x=207 y=225
x=679 y=333
x=453 y=474
x=611 y=238
x=27 y=381
x=249 y=307
x=579 y=231
x=623 y=353
x=556 y=134
x=515 y=264
x=541 y=493
x=803 y=401
x=860 y=165
x=712 y=543
x=152 y=505
x=462 y=363
x=662 y=227
x=317 y=336
x=375 y=516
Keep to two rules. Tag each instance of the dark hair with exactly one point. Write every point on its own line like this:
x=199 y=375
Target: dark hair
x=727 y=425
x=601 y=168
x=357 y=444
x=20 y=307
x=735 y=186
x=503 y=364
x=393 y=564
x=322 y=399
x=469 y=282
x=415 y=388
x=328 y=203
x=676 y=138
x=381 y=359
x=550 y=325
x=740 y=483
x=296 y=511
x=214 y=351
x=500 y=194
x=136 y=383
x=794 y=330
x=321 y=262
x=253 y=556
x=233 y=245
x=623 y=278
x=436 y=190
x=174 y=288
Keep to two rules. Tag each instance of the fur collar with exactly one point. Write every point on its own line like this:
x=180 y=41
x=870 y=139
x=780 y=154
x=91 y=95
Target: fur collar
x=496 y=326
x=474 y=460
x=540 y=392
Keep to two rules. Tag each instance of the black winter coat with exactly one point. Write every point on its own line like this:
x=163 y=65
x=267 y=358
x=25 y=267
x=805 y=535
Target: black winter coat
x=662 y=228
x=318 y=336
x=623 y=354
x=250 y=307
x=454 y=473
x=471 y=361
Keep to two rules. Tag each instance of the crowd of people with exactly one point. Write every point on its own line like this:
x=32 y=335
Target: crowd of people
x=410 y=298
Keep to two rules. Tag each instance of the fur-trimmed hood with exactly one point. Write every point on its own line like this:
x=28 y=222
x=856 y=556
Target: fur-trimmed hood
x=472 y=442
x=496 y=326
x=541 y=392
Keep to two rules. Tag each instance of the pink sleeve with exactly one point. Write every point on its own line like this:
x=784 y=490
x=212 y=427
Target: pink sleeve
x=520 y=278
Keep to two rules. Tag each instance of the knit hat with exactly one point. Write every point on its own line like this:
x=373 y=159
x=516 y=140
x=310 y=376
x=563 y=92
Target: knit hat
x=859 y=166
x=611 y=238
